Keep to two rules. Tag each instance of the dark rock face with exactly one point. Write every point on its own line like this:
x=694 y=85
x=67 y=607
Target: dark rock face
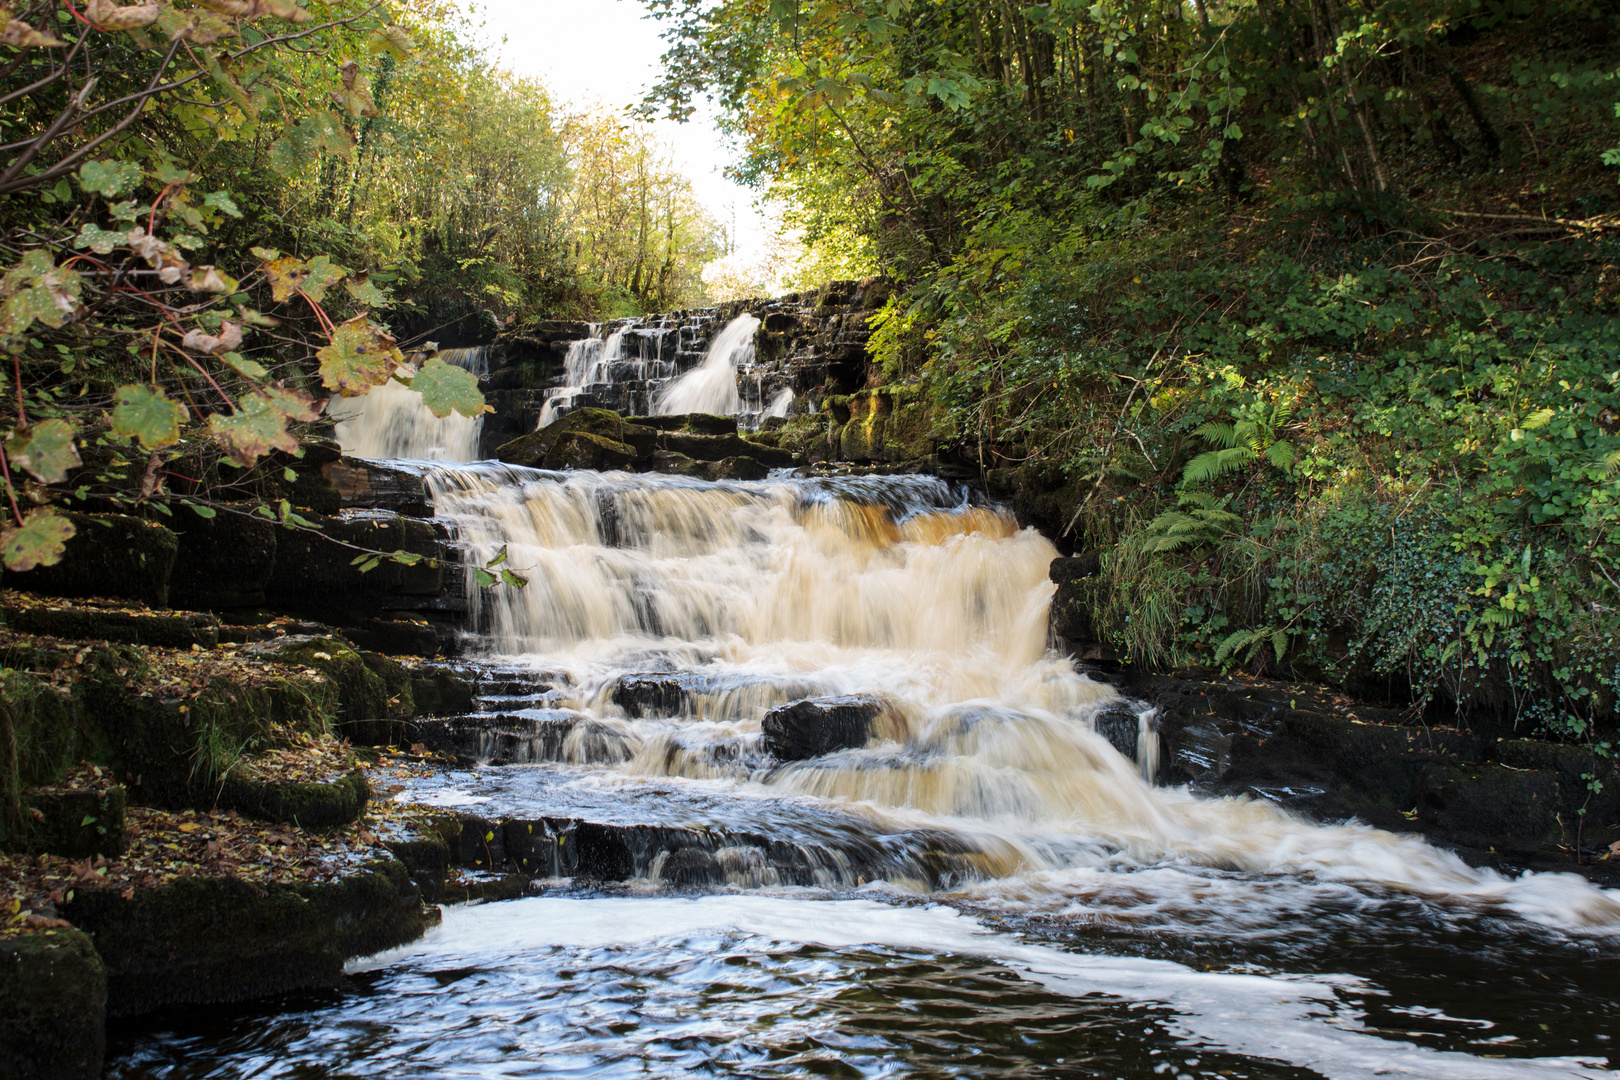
x=77 y=824
x=55 y=992
x=1510 y=803
x=223 y=561
x=110 y=555
x=177 y=631
x=691 y=867
x=201 y=940
x=373 y=485
x=315 y=572
x=693 y=445
x=816 y=726
x=1122 y=728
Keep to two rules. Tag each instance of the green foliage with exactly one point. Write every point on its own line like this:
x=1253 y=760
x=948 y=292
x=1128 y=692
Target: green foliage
x=446 y=388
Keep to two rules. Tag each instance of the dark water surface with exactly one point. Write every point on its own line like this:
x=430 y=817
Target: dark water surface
x=792 y=984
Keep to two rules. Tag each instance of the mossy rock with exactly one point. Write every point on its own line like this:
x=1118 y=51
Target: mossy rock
x=78 y=824
x=581 y=450
x=306 y=804
x=208 y=940
x=362 y=694
x=705 y=447
x=427 y=860
x=41 y=722
x=223 y=562
x=171 y=630
x=437 y=692
x=1491 y=805
x=692 y=423
x=888 y=424
x=735 y=468
x=771 y=455
x=673 y=464
x=533 y=450
x=110 y=555
x=53 y=1025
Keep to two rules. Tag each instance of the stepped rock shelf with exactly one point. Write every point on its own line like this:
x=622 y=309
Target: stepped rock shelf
x=234 y=761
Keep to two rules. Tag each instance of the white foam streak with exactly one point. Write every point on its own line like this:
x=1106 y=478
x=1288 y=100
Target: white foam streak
x=1300 y=1021
x=711 y=387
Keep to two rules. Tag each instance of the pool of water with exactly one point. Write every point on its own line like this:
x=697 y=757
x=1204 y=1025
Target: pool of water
x=796 y=983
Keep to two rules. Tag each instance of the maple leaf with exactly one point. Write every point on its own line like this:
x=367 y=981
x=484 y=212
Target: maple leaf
x=355 y=97
x=39 y=541
x=143 y=412
x=46 y=450
x=109 y=178
x=20 y=35
x=361 y=355
x=257 y=427
x=37 y=290
x=296 y=404
x=446 y=388
x=391 y=40
x=110 y=16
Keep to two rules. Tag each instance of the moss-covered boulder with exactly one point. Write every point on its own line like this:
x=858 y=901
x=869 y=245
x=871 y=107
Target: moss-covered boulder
x=534 y=449
x=306 y=804
x=889 y=424
x=366 y=701
x=206 y=940
x=111 y=555
x=692 y=423
x=222 y=562
x=735 y=468
x=78 y=823
x=673 y=464
x=436 y=691
x=53 y=1023
x=581 y=450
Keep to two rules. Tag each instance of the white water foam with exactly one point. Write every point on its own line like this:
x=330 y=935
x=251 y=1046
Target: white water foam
x=1302 y=1021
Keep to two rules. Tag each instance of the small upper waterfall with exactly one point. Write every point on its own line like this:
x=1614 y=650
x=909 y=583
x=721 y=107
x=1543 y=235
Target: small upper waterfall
x=392 y=422
x=619 y=366
x=712 y=386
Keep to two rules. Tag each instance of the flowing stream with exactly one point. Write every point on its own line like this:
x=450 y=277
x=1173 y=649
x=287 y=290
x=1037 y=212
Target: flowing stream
x=979 y=885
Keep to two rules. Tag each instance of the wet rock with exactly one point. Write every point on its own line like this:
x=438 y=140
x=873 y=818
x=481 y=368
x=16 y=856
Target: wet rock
x=78 y=824
x=373 y=692
x=1491 y=805
x=55 y=992
x=736 y=468
x=437 y=691
x=1120 y=725
x=535 y=449
x=478 y=842
x=534 y=848
x=206 y=940
x=222 y=562
x=427 y=860
x=308 y=805
x=400 y=635
x=174 y=630
x=378 y=486
x=1071 y=609
x=673 y=464
x=817 y=726
x=581 y=450
x=110 y=555
x=691 y=423
x=654 y=696
x=690 y=867
x=500 y=739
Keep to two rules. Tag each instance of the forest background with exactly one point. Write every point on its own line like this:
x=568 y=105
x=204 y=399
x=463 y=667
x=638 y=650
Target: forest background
x=1296 y=317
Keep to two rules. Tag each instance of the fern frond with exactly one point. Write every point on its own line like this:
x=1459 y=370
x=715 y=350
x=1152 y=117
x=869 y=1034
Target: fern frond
x=1280 y=454
x=1538 y=419
x=1611 y=464
x=1216 y=463
x=1222 y=435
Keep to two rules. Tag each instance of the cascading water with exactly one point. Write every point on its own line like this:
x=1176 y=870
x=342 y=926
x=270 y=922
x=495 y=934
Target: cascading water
x=711 y=387
x=392 y=422
x=976 y=883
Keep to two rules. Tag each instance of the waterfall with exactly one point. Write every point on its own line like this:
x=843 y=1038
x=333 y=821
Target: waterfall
x=670 y=615
x=585 y=363
x=711 y=387
x=392 y=422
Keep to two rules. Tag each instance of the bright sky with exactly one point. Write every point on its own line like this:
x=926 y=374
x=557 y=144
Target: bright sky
x=607 y=51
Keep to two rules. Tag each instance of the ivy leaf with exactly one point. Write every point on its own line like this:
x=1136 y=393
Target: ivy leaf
x=37 y=290
x=46 y=450
x=391 y=40
x=361 y=355
x=304 y=143
x=39 y=541
x=145 y=413
x=446 y=388
x=257 y=427
x=109 y=178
